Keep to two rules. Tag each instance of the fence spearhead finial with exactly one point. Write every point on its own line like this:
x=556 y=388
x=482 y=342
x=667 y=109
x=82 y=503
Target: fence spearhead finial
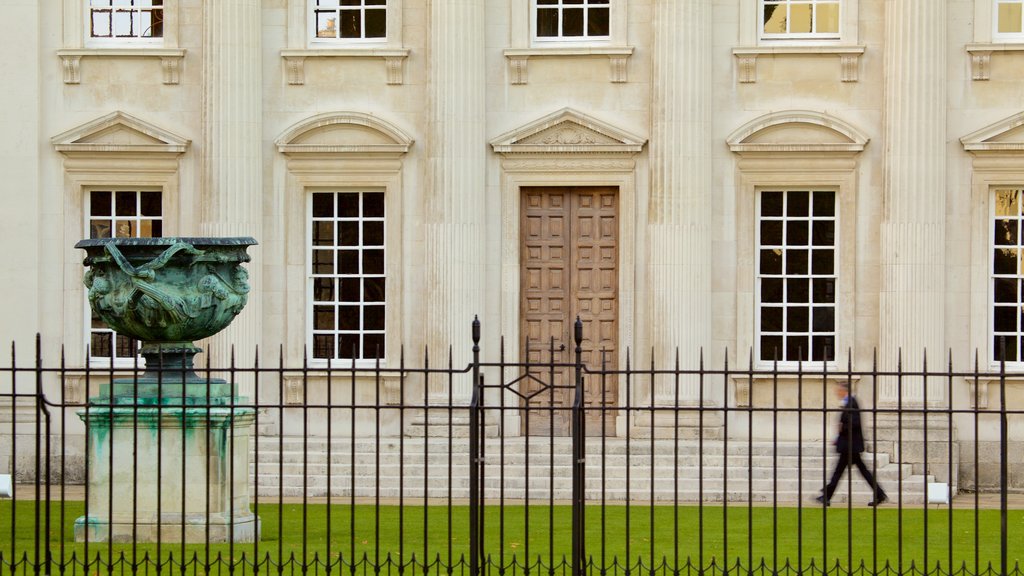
x=578 y=331
x=476 y=329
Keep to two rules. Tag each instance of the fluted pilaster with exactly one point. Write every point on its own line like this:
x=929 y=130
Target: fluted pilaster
x=455 y=199
x=679 y=228
x=913 y=229
x=232 y=184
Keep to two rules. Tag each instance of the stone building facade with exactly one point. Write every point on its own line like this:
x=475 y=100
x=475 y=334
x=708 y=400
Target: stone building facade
x=812 y=179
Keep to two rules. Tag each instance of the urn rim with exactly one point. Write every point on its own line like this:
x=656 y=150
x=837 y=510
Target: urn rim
x=169 y=241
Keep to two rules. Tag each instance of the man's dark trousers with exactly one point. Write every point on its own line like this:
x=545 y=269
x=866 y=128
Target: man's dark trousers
x=846 y=459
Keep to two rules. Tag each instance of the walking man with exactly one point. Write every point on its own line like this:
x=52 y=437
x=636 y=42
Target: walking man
x=850 y=444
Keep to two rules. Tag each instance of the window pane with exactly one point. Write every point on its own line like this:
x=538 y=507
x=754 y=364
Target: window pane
x=374 y=316
x=1001 y=343
x=824 y=319
x=326 y=24
x=122 y=23
x=1006 y=202
x=800 y=18
x=774 y=18
x=771 y=347
x=1010 y=18
x=125 y=230
x=826 y=18
x=323 y=346
x=348 y=233
x=99 y=229
x=572 y=22
x=351 y=26
x=1004 y=261
x=151 y=204
x=373 y=290
x=348 y=262
x=824 y=203
x=771 y=203
x=1004 y=319
x=373 y=346
x=771 y=290
x=547 y=22
x=824 y=233
x=1006 y=232
x=797 y=203
x=373 y=205
x=1005 y=290
x=348 y=346
x=771 y=261
x=597 y=22
x=771 y=319
x=323 y=233
x=101 y=344
x=823 y=348
x=350 y=290
x=796 y=261
x=771 y=233
x=822 y=262
x=101 y=24
x=373 y=261
x=824 y=290
x=348 y=318
x=323 y=205
x=797 y=290
x=373 y=233
x=157 y=230
x=126 y=347
x=99 y=203
x=348 y=205
x=323 y=317
x=797 y=319
x=323 y=290
x=796 y=233
x=797 y=348
x=376 y=23
x=323 y=262
x=124 y=204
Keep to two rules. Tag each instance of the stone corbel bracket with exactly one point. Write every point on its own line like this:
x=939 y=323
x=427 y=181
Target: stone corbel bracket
x=981 y=57
x=170 y=60
x=618 y=60
x=746 y=59
x=295 y=61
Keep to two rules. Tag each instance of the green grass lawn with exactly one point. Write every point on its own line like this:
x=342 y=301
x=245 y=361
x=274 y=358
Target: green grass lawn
x=754 y=534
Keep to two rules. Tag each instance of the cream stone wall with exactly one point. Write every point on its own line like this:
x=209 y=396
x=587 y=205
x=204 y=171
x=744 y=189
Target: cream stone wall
x=221 y=101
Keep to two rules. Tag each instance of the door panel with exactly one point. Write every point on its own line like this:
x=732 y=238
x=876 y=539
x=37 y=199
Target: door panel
x=569 y=268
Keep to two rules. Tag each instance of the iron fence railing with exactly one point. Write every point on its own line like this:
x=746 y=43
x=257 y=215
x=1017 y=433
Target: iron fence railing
x=578 y=464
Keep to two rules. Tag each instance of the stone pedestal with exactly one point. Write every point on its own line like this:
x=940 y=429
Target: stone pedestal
x=172 y=465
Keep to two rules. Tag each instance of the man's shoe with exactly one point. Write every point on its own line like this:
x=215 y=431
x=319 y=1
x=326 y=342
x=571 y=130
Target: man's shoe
x=878 y=500
x=822 y=500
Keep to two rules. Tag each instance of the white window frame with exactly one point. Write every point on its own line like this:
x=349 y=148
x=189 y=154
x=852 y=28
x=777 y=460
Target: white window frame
x=1010 y=37
x=562 y=40
x=810 y=305
x=523 y=29
x=167 y=39
x=114 y=41
x=364 y=357
x=802 y=36
x=115 y=360
x=316 y=41
x=752 y=28
x=994 y=350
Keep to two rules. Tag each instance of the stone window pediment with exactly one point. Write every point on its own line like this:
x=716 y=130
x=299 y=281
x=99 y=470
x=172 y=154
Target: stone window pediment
x=568 y=132
x=344 y=133
x=119 y=132
x=797 y=131
x=1006 y=135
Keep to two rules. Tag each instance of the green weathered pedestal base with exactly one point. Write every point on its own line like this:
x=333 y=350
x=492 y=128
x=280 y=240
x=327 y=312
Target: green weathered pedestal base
x=173 y=471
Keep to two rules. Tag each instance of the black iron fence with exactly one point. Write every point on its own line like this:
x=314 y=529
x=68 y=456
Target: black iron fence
x=577 y=464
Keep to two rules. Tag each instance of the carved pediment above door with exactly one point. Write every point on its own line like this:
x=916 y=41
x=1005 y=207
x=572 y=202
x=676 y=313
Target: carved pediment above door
x=1007 y=135
x=119 y=132
x=568 y=132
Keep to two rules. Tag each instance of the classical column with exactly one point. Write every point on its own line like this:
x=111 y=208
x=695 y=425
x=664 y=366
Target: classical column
x=913 y=237
x=679 y=218
x=232 y=185
x=454 y=200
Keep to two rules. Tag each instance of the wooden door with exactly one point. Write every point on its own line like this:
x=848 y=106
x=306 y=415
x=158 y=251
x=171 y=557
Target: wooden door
x=569 y=268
